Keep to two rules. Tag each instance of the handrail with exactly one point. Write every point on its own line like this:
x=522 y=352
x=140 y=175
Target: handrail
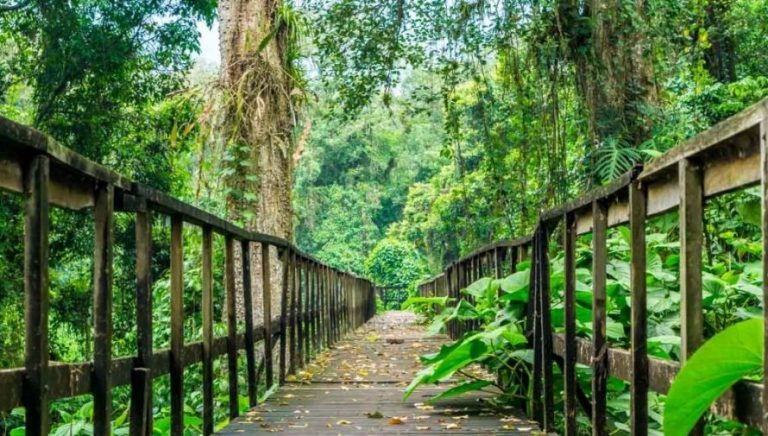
x=731 y=155
x=317 y=302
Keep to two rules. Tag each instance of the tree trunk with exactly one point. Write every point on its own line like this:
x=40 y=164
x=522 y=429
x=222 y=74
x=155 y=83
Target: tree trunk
x=256 y=127
x=258 y=121
x=614 y=75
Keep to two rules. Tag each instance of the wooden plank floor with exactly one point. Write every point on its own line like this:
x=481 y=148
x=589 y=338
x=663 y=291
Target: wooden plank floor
x=357 y=388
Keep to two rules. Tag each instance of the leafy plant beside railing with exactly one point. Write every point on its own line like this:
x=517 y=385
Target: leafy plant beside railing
x=498 y=343
x=725 y=359
x=731 y=291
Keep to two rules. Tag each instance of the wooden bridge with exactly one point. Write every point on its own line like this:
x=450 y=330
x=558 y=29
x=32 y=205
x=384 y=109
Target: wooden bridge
x=320 y=306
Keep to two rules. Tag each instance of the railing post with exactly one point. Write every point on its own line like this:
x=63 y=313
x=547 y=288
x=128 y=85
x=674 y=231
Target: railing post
x=177 y=326
x=546 y=330
x=639 y=321
x=250 y=345
x=102 y=308
x=286 y=294
x=599 y=341
x=234 y=409
x=691 y=191
x=326 y=289
x=36 y=225
x=763 y=140
x=141 y=379
x=317 y=310
x=308 y=315
x=208 y=416
x=569 y=360
x=267 y=295
x=691 y=240
x=535 y=324
x=295 y=316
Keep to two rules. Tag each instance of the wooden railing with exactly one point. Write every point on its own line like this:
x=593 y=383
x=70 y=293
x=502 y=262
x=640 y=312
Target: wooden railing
x=731 y=155
x=318 y=303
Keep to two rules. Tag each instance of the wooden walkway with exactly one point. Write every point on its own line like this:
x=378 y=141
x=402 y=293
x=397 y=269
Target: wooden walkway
x=357 y=387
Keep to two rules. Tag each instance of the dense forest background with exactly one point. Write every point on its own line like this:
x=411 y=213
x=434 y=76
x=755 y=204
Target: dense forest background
x=419 y=130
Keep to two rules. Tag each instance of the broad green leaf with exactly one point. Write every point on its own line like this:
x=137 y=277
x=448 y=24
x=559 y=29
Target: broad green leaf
x=445 y=350
x=464 y=310
x=469 y=352
x=515 y=282
x=722 y=361
x=664 y=340
x=614 y=330
x=461 y=389
x=478 y=288
x=439 y=301
x=421 y=377
x=514 y=338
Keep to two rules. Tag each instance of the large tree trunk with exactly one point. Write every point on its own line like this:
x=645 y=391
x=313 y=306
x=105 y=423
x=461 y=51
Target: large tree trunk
x=614 y=70
x=259 y=121
x=256 y=127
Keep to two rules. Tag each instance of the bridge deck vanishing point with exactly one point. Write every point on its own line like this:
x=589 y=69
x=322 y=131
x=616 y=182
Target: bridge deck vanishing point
x=357 y=387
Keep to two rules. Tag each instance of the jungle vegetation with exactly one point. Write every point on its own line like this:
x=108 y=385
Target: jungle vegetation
x=387 y=138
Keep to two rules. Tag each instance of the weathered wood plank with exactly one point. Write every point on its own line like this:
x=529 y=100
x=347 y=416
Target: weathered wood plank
x=569 y=361
x=285 y=295
x=177 y=325
x=763 y=138
x=141 y=394
x=141 y=404
x=102 y=309
x=534 y=322
x=639 y=310
x=207 y=284
x=691 y=240
x=232 y=347
x=599 y=339
x=266 y=288
x=250 y=344
x=294 y=320
x=36 y=225
x=338 y=405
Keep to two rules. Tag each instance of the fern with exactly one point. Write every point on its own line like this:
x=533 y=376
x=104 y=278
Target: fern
x=613 y=158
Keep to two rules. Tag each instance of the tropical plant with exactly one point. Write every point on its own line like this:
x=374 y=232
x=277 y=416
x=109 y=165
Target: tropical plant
x=498 y=342
x=726 y=358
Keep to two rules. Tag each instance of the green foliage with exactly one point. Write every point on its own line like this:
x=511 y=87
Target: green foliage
x=394 y=263
x=723 y=360
x=498 y=342
x=353 y=177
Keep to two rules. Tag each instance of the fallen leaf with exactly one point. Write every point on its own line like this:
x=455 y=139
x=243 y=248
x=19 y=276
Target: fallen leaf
x=298 y=426
x=397 y=420
x=343 y=422
x=422 y=427
x=453 y=426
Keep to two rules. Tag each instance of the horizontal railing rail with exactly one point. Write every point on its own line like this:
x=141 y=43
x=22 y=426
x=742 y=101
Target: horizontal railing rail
x=731 y=155
x=317 y=303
